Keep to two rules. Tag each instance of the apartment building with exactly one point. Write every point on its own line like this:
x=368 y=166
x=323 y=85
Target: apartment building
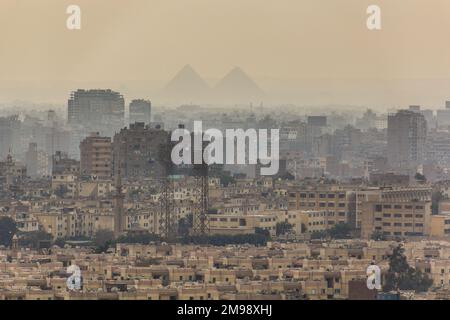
x=140 y=111
x=242 y=224
x=317 y=221
x=96 y=156
x=440 y=225
x=66 y=185
x=401 y=211
x=96 y=109
x=70 y=186
x=63 y=164
x=406 y=137
x=71 y=224
x=399 y=219
x=337 y=203
x=136 y=151
x=439 y=271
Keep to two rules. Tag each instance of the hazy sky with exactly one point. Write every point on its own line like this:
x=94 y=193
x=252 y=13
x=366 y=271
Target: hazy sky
x=277 y=42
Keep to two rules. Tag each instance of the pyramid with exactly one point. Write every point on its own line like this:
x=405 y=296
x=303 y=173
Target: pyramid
x=186 y=86
x=237 y=87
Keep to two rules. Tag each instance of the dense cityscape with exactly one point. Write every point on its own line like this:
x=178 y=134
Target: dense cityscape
x=205 y=159
x=91 y=186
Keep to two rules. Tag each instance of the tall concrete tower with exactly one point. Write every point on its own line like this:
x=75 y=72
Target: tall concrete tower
x=406 y=137
x=140 y=111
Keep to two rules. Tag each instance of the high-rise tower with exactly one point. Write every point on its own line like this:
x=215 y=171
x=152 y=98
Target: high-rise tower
x=406 y=137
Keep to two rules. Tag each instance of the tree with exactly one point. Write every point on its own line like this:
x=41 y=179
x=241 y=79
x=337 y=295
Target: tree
x=319 y=235
x=263 y=232
x=341 y=231
x=401 y=276
x=60 y=242
x=227 y=180
x=283 y=228
x=338 y=231
x=378 y=236
x=103 y=239
x=7 y=230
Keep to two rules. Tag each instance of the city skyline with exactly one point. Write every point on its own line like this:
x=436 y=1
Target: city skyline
x=224 y=150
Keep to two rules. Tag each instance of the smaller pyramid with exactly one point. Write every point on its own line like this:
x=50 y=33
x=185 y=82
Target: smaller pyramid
x=237 y=87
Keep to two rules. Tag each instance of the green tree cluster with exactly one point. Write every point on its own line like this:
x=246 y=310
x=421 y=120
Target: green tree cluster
x=338 y=231
x=401 y=276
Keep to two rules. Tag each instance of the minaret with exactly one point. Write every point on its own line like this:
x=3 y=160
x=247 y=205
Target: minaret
x=15 y=243
x=118 y=206
x=9 y=169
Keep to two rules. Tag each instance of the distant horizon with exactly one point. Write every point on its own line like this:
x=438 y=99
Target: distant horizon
x=376 y=94
x=298 y=52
